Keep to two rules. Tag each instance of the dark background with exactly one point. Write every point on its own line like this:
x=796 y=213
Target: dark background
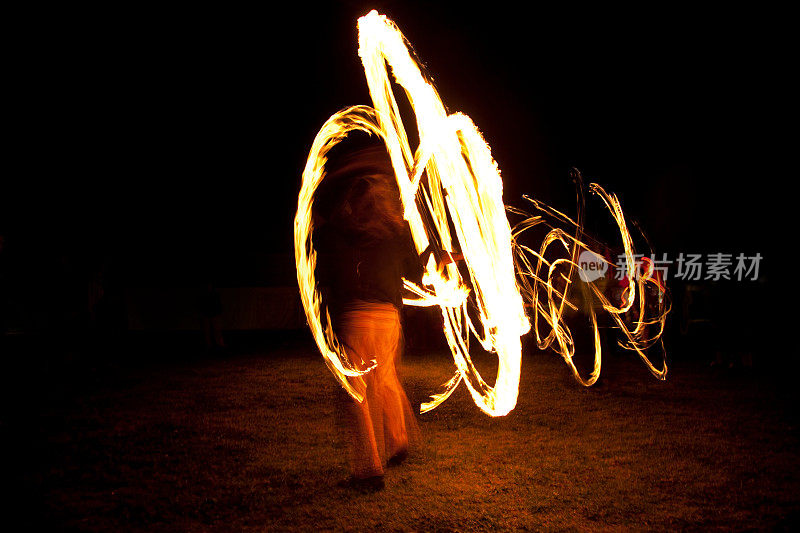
x=170 y=143
x=151 y=150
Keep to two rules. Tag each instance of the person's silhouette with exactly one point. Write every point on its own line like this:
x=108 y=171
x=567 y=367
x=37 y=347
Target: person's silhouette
x=369 y=252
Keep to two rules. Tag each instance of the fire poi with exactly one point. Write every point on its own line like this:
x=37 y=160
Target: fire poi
x=451 y=192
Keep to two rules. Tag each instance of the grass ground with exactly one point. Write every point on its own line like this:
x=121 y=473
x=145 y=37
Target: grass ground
x=249 y=442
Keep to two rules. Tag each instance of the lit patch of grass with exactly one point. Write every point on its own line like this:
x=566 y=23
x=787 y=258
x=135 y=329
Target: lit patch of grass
x=251 y=442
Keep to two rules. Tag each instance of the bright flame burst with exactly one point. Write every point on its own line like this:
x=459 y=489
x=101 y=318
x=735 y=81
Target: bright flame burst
x=451 y=181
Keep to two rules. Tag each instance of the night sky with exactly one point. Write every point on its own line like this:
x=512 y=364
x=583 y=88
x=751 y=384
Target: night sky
x=163 y=137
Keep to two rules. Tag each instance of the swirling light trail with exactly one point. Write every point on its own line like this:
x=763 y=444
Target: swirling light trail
x=453 y=178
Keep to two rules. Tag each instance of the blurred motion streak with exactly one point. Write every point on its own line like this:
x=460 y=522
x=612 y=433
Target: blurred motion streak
x=452 y=197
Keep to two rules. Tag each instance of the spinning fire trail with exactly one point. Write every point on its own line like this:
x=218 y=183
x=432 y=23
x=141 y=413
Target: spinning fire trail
x=453 y=181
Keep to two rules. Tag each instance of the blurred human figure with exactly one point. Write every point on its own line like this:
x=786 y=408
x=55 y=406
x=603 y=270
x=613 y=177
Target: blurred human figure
x=361 y=226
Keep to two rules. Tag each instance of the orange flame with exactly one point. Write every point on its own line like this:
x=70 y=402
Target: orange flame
x=461 y=189
x=646 y=328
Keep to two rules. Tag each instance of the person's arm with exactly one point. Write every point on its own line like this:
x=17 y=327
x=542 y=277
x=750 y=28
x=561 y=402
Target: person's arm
x=442 y=257
x=448 y=257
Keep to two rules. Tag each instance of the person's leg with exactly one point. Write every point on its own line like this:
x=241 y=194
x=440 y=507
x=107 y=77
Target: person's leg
x=394 y=419
x=388 y=391
x=358 y=338
x=364 y=459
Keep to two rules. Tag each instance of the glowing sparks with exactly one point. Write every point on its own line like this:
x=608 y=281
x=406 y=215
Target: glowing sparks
x=640 y=335
x=451 y=191
x=461 y=186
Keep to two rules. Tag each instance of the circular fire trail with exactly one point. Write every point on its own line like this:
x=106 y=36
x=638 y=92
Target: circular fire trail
x=452 y=197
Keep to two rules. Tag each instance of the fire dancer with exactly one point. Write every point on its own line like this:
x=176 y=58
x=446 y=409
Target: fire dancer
x=359 y=220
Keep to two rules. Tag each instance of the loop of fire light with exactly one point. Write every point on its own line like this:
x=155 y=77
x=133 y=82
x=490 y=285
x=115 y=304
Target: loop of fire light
x=461 y=187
